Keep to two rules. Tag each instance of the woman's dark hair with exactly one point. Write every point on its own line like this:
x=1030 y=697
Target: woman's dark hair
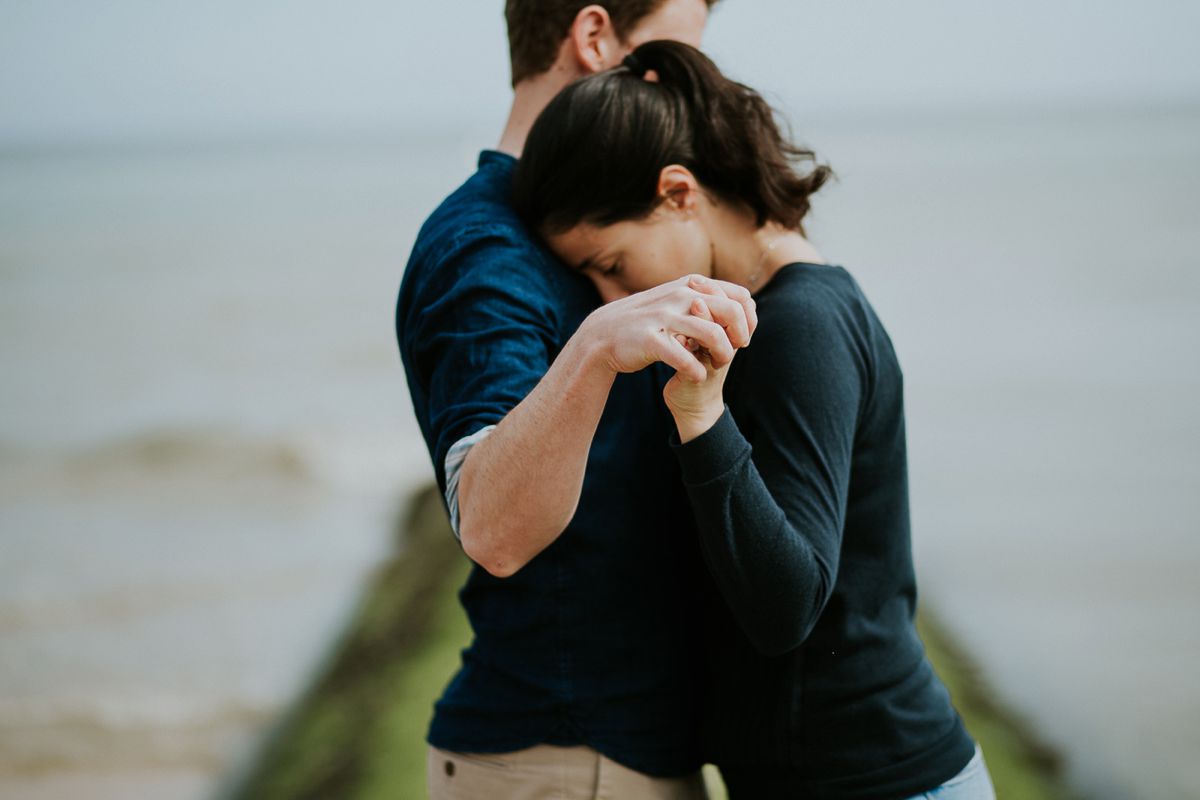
x=596 y=152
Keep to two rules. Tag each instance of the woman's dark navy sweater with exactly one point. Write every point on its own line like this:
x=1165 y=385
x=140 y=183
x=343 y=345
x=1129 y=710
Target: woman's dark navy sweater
x=818 y=685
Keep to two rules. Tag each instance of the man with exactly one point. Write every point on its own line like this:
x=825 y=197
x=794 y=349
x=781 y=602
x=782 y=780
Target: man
x=549 y=440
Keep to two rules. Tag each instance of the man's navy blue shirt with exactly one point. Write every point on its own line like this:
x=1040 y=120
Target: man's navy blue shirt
x=594 y=641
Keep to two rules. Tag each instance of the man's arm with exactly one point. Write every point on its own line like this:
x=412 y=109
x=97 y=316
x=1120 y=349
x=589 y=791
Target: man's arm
x=520 y=485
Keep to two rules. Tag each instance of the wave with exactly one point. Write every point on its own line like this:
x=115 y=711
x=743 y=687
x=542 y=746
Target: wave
x=348 y=458
x=116 y=605
x=45 y=735
x=201 y=449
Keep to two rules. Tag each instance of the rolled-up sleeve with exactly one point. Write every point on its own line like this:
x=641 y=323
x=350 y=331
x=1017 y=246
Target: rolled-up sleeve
x=481 y=336
x=453 y=471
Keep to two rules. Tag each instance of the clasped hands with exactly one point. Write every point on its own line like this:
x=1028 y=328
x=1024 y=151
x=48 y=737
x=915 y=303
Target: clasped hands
x=694 y=324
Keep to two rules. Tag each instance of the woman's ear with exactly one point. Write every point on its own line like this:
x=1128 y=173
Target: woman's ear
x=679 y=189
x=594 y=41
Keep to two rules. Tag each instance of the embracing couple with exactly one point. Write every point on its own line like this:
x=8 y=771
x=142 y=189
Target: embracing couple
x=685 y=493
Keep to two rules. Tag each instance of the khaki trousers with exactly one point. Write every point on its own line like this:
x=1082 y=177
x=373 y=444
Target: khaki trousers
x=548 y=773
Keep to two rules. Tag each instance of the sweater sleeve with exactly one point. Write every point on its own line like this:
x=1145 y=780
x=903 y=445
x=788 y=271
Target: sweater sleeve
x=770 y=518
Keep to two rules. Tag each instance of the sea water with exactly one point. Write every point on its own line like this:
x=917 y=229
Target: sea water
x=204 y=444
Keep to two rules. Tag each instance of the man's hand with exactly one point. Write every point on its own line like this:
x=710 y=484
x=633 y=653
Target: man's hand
x=646 y=327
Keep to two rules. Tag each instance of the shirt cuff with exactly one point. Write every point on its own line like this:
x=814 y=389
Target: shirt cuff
x=713 y=453
x=455 y=457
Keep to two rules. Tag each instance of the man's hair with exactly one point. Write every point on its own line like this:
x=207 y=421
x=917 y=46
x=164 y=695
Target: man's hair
x=536 y=28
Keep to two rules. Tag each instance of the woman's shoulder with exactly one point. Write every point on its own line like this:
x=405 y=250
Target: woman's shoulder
x=809 y=295
x=811 y=348
x=792 y=278
x=809 y=313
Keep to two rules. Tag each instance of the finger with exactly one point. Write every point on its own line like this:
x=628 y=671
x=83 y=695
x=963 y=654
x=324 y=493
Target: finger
x=730 y=315
x=710 y=335
x=723 y=293
x=751 y=307
x=700 y=311
x=687 y=342
x=735 y=292
x=673 y=354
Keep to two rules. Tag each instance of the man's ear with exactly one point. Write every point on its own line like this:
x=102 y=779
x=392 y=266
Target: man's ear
x=679 y=189
x=593 y=40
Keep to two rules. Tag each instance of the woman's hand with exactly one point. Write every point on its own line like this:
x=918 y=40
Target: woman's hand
x=696 y=406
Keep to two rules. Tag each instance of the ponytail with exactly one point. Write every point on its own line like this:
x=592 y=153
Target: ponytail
x=595 y=153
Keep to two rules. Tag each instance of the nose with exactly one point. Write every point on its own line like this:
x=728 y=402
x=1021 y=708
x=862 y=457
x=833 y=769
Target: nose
x=609 y=289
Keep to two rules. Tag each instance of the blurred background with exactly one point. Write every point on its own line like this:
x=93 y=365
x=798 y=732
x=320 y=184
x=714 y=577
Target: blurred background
x=205 y=437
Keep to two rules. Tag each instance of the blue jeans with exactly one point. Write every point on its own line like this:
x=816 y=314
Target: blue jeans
x=973 y=783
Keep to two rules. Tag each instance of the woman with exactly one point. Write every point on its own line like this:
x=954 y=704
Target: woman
x=793 y=455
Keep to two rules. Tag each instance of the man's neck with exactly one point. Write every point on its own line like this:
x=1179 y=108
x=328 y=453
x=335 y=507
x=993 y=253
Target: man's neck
x=529 y=98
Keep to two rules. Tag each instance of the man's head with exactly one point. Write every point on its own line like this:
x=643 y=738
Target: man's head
x=579 y=37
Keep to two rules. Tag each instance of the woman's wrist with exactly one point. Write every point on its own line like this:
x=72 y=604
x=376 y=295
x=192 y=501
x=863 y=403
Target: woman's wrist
x=693 y=424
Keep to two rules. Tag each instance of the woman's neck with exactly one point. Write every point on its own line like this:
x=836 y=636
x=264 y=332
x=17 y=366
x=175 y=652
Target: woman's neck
x=750 y=256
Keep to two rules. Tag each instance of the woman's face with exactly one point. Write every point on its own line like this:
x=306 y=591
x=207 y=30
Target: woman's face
x=627 y=257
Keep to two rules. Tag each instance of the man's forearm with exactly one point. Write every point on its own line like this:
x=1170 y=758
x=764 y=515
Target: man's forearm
x=519 y=487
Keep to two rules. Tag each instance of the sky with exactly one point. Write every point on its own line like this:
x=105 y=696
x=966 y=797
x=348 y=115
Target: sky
x=138 y=70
